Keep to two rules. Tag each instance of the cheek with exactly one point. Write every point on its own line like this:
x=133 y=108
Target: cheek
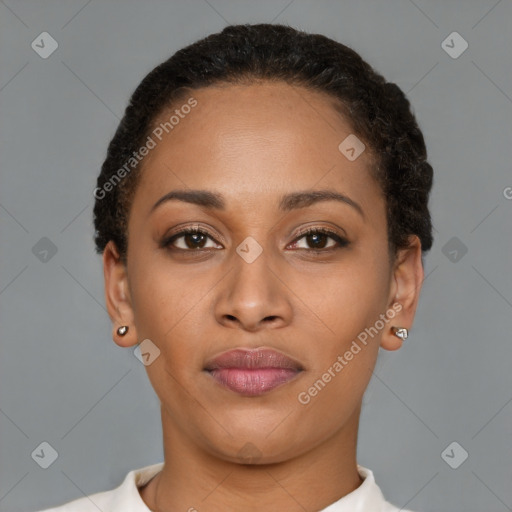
x=346 y=299
x=349 y=305
x=168 y=303
x=166 y=308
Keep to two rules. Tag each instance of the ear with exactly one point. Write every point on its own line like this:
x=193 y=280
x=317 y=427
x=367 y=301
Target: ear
x=405 y=289
x=117 y=296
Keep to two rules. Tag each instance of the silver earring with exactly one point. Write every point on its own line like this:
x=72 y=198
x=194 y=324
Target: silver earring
x=400 y=332
x=122 y=330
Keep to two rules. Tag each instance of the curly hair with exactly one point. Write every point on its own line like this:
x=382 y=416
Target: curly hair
x=378 y=111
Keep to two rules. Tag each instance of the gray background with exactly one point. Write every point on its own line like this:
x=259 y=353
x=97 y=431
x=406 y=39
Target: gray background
x=64 y=381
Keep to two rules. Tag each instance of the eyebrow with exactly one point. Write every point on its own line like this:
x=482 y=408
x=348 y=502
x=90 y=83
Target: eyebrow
x=288 y=202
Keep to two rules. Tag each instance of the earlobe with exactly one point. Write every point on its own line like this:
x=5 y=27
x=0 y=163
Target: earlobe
x=390 y=341
x=117 y=297
x=120 y=336
x=405 y=290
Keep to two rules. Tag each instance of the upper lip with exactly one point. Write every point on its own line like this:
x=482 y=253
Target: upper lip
x=250 y=359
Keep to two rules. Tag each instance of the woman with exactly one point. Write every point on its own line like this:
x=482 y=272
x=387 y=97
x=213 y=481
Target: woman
x=262 y=213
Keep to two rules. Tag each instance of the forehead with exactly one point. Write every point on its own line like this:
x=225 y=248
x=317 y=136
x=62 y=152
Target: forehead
x=250 y=142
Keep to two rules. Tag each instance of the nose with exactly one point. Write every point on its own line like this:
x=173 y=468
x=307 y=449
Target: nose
x=253 y=297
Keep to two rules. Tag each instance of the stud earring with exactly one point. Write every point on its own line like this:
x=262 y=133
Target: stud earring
x=122 y=330
x=400 y=332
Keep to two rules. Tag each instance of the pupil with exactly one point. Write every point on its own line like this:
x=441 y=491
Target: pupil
x=316 y=236
x=194 y=237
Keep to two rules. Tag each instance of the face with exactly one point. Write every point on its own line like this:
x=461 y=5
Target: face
x=253 y=277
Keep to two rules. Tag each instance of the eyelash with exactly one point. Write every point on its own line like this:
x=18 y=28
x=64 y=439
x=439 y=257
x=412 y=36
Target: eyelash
x=342 y=242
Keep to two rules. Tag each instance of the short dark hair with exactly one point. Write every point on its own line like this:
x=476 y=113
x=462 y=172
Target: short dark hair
x=378 y=111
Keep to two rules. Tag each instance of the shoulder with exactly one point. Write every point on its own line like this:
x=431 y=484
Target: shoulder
x=367 y=496
x=125 y=498
x=373 y=490
x=388 y=507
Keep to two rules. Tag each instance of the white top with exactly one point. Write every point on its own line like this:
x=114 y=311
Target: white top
x=126 y=498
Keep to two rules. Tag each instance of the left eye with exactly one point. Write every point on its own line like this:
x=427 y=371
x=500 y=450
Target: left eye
x=319 y=237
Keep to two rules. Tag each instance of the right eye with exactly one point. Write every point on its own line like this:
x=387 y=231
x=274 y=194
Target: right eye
x=193 y=239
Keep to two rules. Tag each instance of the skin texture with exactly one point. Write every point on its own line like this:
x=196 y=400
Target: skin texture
x=253 y=144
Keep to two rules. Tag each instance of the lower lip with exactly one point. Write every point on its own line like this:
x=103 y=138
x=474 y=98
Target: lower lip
x=253 y=382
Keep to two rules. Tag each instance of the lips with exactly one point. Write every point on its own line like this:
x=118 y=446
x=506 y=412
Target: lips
x=252 y=372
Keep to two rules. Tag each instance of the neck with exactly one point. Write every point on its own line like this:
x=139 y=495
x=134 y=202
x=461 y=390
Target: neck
x=195 y=480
